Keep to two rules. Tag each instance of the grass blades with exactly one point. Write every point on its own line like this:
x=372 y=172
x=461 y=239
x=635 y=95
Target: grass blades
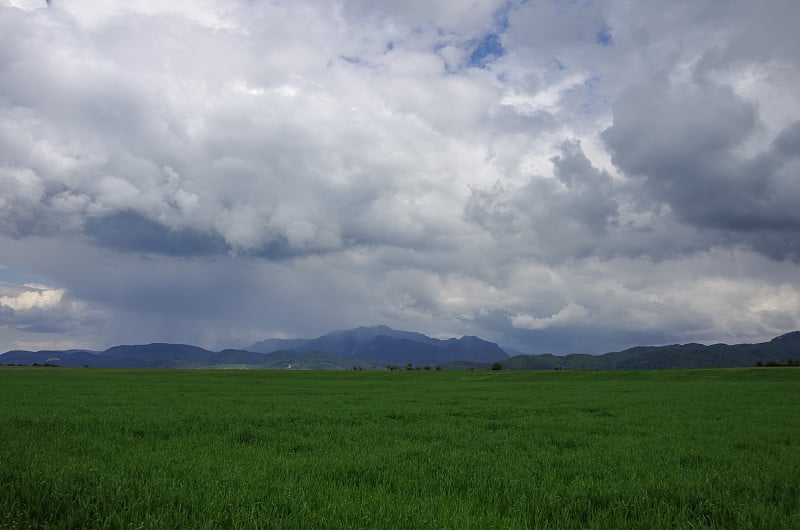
x=266 y=449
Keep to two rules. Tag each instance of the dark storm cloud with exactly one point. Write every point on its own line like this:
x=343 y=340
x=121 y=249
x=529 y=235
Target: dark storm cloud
x=590 y=193
x=36 y=321
x=685 y=145
x=552 y=219
x=130 y=232
x=787 y=144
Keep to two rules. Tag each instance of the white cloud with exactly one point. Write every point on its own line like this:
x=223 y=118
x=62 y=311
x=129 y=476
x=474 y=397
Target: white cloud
x=209 y=13
x=287 y=153
x=546 y=99
x=36 y=297
x=26 y=5
x=571 y=314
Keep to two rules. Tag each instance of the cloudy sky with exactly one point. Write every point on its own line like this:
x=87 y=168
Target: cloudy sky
x=553 y=175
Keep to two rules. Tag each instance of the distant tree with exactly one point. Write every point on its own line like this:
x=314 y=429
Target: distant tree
x=426 y=367
x=409 y=366
x=392 y=367
x=776 y=364
x=497 y=366
x=438 y=367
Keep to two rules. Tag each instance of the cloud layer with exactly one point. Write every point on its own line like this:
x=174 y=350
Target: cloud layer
x=556 y=176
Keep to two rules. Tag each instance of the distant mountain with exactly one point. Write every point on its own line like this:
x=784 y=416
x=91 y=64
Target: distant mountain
x=383 y=345
x=779 y=350
x=271 y=345
x=76 y=357
x=790 y=338
x=377 y=347
x=177 y=356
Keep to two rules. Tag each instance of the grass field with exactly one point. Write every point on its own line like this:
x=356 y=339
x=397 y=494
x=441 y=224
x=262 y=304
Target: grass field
x=260 y=449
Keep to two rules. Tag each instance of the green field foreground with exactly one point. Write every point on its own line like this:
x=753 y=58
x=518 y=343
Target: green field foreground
x=260 y=449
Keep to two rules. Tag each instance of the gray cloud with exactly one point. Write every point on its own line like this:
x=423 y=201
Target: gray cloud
x=220 y=172
x=687 y=155
x=128 y=231
x=39 y=309
x=550 y=216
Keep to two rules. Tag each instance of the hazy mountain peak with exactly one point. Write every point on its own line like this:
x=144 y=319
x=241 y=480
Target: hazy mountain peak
x=362 y=330
x=792 y=336
x=382 y=344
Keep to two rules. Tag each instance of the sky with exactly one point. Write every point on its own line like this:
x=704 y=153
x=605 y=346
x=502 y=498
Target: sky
x=552 y=175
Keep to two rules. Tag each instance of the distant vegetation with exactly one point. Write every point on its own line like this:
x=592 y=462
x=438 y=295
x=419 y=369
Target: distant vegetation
x=417 y=449
x=790 y=362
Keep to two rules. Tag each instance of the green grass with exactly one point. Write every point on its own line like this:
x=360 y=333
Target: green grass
x=260 y=449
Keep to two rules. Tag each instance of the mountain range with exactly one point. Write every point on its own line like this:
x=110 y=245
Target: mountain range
x=384 y=345
x=380 y=346
x=783 y=350
x=364 y=347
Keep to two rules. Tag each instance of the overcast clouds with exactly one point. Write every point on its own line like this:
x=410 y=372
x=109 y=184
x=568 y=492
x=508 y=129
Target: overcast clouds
x=552 y=175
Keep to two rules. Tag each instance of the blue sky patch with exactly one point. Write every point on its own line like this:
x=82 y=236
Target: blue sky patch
x=604 y=37
x=16 y=277
x=488 y=49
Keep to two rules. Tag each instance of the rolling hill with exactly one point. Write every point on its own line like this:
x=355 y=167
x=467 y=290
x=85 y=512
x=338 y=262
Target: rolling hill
x=779 y=350
x=183 y=356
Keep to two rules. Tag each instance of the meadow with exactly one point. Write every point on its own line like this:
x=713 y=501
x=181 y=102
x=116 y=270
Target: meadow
x=86 y=448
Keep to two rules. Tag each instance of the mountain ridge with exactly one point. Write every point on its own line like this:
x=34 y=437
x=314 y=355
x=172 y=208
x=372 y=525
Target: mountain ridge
x=380 y=346
x=363 y=348
x=385 y=345
x=784 y=349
